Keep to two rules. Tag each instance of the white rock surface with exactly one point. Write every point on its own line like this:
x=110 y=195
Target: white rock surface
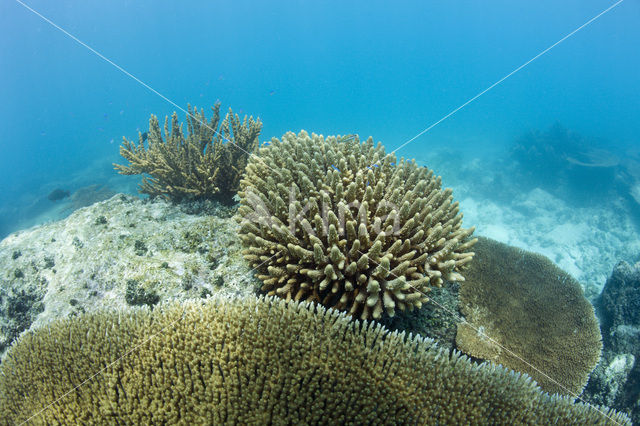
x=115 y=253
x=585 y=242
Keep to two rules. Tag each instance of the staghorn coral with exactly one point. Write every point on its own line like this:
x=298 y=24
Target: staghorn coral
x=535 y=310
x=339 y=222
x=205 y=163
x=260 y=361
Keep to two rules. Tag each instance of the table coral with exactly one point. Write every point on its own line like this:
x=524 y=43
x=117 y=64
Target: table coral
x=527 y=314
x=261 y=361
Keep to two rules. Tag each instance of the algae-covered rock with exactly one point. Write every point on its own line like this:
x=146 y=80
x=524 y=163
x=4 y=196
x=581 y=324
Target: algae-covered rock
x=120 y=252
x=616 y=379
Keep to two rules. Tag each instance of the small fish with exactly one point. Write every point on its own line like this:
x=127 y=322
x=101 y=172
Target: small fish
x=373 y=165
x=335 y=168
x=266 y=143
x=145 y=136
x=346 y=138
x=271 y=93
x=105 y=116
x=392 y=164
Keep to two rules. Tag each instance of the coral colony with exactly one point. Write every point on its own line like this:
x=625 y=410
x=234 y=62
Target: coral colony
x=340 y=236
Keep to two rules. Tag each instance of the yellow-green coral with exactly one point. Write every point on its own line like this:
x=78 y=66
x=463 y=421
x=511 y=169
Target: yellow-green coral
x=339 y=222
x=535 y=312
x=260 y=361
x=207 y=162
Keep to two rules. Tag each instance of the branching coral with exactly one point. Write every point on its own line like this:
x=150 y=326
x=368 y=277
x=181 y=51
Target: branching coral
x=204 y=163
x=260 y=361
x=339 y=222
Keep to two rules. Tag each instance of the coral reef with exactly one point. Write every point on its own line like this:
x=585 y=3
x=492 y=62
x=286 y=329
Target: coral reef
x=615 y=380
x=260 y=361
x=118 y=252
x=536 y=311
x=204 y=163
x=339 y=222
x=565 y=164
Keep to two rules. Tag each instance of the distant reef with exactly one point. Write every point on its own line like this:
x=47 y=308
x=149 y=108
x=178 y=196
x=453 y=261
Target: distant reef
x=58 y=194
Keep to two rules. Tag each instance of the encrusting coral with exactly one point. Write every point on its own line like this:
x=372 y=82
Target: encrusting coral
x=260 y=361
x=536 y=315
x=339 y=222
x=204 y=163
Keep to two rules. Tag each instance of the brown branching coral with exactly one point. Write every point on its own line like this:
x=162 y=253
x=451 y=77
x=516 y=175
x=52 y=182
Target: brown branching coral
x=338 y=222
x=204 y=163
x=260 y=361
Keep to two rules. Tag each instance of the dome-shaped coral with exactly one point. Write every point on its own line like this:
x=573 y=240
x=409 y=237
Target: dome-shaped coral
x=339 y=222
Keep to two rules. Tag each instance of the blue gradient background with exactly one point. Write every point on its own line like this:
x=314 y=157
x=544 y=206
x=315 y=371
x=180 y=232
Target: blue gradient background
x=386 y=69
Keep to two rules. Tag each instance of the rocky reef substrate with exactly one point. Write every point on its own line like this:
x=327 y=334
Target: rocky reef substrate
x=120 y=252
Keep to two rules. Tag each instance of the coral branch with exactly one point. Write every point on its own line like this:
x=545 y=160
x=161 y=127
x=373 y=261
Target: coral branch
x=205 y=163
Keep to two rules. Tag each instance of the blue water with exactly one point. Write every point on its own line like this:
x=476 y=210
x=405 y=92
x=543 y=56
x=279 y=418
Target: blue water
x=386 y=69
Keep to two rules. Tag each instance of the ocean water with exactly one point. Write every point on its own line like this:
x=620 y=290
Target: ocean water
x=528 y=110
x=547 y=159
